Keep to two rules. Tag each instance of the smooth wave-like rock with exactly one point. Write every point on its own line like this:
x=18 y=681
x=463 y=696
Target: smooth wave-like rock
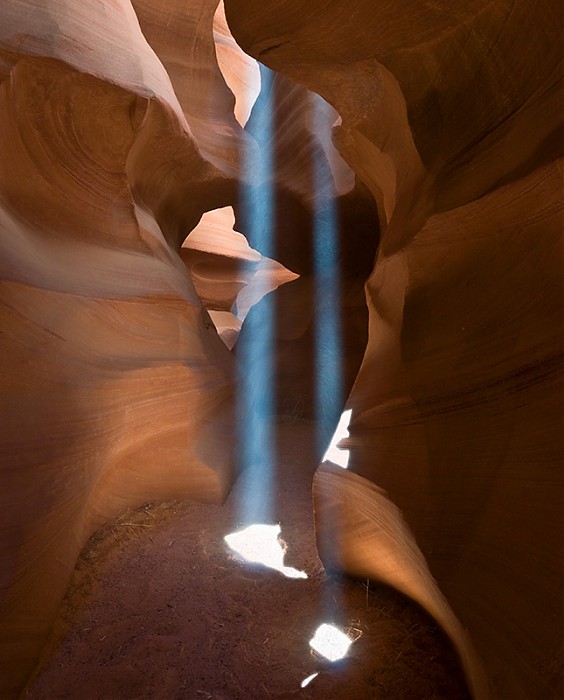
x=116 y=388
x=122 y=123
x=182 y=35
x=450 y=115
x=229 y=276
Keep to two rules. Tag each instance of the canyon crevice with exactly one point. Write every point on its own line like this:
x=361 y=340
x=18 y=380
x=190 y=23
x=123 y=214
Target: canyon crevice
x=126 y=133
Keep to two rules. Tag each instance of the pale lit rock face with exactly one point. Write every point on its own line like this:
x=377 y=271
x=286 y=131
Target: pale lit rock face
x=229 y=276
x=451 y=114
x=240 y=71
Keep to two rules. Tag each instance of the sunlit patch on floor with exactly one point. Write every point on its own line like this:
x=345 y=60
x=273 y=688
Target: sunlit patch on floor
x=307 y=681
x=330 y=642
x=334 y=453
x=261 y=544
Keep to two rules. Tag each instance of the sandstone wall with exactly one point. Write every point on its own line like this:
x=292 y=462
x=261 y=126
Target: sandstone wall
x=115 y=387
x=118 y=131
x=452 y=116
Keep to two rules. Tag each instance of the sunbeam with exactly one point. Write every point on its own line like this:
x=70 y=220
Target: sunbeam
x=328 y=332
x=255 y=401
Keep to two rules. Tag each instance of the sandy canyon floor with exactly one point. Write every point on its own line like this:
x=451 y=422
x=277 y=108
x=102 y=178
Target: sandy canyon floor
x=159 y=608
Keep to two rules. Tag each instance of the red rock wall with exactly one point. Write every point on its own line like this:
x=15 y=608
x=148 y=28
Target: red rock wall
x=452 y=116
x=117 y=132
x=115 y=387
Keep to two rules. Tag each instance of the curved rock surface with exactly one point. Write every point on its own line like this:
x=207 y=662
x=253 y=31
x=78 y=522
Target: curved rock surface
x=122 y=122
x=115 y=387
x=450 y=114
x=118 y=131
x=230 y=277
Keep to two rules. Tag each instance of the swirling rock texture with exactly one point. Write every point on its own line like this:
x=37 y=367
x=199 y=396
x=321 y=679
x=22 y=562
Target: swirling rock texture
x=115 y=386
x=118 y=131
x=451 y=114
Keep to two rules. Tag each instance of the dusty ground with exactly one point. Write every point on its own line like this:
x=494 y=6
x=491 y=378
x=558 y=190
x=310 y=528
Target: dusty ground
x=160 y=609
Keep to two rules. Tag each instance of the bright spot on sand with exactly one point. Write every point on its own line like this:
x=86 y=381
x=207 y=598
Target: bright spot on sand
x=330 y=642
x=260 y=544
x=307 y=681
x=336 y=454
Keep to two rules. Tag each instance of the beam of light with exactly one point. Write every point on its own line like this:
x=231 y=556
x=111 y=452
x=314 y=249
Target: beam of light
x=307 y=681
x=261 y=544
x=254 y=351
x=328 y=332
x=337 y=454
x=330 y=642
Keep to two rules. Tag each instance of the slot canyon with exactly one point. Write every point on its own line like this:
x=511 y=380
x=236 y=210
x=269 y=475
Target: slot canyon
x=297 y=265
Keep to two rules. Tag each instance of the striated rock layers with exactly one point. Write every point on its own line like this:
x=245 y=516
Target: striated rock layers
x=122 y=122
x=451 y=115
x=115 y=386
x=120 y=125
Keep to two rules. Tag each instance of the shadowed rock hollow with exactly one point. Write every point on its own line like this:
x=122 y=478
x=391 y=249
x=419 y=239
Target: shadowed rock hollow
x=121 y=124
